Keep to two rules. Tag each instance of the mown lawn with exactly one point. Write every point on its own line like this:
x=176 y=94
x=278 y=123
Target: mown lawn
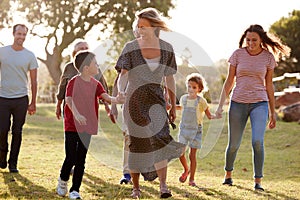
x=42 y=154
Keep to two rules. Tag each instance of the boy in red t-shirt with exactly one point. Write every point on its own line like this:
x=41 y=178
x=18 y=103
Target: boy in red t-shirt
x=81 y=120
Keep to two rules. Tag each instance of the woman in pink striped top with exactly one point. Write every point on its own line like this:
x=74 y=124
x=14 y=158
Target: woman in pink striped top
x=250 y=76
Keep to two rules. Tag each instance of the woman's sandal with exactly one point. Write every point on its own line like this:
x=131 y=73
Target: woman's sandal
x=136 y=193
x=258 y=187
x=228 y=181
x=183 y=177
x=165 y=194
x=192 y=183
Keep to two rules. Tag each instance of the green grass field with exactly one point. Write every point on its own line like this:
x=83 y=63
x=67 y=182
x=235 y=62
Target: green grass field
x=42 y=154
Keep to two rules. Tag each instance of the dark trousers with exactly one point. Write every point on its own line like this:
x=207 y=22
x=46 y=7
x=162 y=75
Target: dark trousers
x=17 y=109
x=76 y=147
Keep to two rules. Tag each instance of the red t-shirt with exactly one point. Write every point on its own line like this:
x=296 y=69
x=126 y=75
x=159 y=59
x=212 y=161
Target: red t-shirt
x=85 y=95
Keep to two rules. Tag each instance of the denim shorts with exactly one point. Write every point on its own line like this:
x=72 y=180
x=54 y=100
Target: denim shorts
x=191 y=137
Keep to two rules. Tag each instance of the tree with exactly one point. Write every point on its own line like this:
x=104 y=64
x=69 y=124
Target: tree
x=288 y=30
x=66 y=20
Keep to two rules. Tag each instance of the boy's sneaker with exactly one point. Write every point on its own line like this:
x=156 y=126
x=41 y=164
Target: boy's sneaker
x=125 y=179
x=62 y=187
x=74 y=195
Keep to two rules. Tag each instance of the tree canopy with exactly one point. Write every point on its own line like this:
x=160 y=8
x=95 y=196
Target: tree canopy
x=63 y=21
x=288 y=29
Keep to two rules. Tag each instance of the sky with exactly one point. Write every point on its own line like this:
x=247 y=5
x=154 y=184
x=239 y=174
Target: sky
x=217 y=25
x=210 y=29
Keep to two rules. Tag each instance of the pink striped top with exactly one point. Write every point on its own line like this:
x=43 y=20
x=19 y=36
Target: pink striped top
x=250 y=75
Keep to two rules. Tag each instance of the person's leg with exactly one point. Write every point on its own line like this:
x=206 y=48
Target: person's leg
x=70 y=156
x=126 y=172
x=161 y=170
x=193 y=164
x=125 y=154
x=135 y=177
x=258 y=117
x=19 y=115
x=238 y=116
x=71 y=139
x=195 y=144
x=184 y=163
x=4 y=129
x=83 y=143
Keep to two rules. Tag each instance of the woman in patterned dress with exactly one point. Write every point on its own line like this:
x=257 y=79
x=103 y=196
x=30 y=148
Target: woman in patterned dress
x=146 y=63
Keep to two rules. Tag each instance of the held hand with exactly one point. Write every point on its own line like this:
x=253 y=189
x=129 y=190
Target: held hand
x=121 y=97
x=31 y=109
x=213 y=116
x=219 y=112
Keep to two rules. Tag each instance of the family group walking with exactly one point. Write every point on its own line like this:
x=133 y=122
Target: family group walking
x=146 y=68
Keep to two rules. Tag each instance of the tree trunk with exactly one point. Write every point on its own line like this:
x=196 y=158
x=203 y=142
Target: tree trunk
x=53 y=63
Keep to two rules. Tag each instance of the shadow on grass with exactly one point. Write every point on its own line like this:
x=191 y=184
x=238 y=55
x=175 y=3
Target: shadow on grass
x=266 y=194
x=192 y=194
x=22 y=188
x=107 y=190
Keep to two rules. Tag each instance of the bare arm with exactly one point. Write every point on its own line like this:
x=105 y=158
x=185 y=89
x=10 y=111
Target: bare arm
x=78 y=117
x=33 y=79
x=170 y=84
x=114 y=110
x=111 y=99
x=69 y=72
x=270 y=92
x=122 y=81
x=58 y=108
x=227 y=87
x=209 y=115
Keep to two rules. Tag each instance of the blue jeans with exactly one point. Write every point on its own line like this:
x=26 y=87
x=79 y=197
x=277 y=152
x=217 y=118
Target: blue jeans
x=238 y=116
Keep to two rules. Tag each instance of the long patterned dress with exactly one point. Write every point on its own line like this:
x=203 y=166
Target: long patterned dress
x=145 y=108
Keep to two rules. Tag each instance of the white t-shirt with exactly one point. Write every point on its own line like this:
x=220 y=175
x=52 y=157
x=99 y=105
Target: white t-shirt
x=153 y=63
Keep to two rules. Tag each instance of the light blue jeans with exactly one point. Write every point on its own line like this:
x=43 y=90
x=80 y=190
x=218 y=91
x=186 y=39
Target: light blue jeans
x=238 y=116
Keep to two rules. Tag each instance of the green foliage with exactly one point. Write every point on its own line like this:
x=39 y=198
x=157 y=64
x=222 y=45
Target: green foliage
x=288 y=29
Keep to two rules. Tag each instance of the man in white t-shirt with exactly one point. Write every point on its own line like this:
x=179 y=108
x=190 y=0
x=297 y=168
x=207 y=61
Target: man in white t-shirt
x=15 y=63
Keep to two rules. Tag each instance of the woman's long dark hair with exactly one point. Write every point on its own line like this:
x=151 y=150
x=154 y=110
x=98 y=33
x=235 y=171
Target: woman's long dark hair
x=266 y=40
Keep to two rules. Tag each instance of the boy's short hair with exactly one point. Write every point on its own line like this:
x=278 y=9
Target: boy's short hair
x=83 y=58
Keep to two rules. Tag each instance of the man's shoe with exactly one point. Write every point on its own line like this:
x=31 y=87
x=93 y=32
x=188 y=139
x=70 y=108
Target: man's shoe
x=3 y=165
x=62 y=187
x=125 y=179
x=13 y=168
